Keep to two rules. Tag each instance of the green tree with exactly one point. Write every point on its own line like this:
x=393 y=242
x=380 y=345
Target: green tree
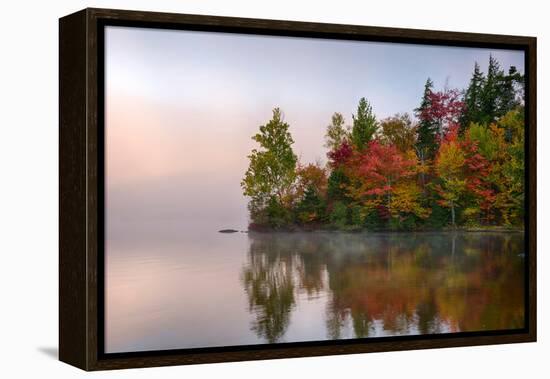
x=276 y=214
x=311 y=208
x=337 y=183
x=490 y=92
x=472 y=100
x=511 y=197
x=336 y=132
x=339 y=214
x=508 y=86
x=485 y=140
x=364 y=125
x=272 y=169
x=426 y=131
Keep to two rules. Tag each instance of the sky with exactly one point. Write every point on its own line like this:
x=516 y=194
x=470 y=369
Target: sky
x=181 y=107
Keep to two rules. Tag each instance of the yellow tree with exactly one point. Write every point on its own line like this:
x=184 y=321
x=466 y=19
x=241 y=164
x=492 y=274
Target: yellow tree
x=513 y=167
x=398 y=131
x=501 y=143
x=449 y=165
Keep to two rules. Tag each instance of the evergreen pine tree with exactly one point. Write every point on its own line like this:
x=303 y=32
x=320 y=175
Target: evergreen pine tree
x=337 y=181
x=426 y=144
x=364 y=125
x=472 y=100
x=311 y=208
x=508 y=99
x=490 y=93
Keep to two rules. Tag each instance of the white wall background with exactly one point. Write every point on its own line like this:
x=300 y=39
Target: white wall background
x=28 y=190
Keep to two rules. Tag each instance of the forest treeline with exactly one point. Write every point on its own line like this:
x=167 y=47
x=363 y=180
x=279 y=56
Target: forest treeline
x=458 y=162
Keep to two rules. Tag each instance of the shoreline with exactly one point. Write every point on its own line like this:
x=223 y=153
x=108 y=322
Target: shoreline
x=463 y=229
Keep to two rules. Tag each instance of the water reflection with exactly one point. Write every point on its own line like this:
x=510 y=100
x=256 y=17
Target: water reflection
x=385 y=284
x=172 y=289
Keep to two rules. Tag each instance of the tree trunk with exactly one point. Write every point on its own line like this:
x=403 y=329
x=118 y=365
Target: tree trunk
x=453 y=213
x=420 y=154
x=389 y=198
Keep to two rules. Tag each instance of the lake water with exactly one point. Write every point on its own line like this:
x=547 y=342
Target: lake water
x=206 y=289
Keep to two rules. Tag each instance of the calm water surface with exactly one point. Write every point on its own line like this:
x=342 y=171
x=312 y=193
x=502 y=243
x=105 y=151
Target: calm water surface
x=204 y=289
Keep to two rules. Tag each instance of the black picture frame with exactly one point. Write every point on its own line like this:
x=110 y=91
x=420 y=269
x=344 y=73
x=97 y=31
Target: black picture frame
x=81 y=183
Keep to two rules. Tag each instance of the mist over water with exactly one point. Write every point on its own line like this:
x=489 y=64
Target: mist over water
x=186 y=289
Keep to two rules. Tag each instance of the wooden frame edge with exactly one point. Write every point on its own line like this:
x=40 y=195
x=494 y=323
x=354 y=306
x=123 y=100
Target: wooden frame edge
x=72 y=190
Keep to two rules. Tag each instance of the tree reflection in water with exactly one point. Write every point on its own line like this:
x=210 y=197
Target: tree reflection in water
x=386 y=284
x=270 y=287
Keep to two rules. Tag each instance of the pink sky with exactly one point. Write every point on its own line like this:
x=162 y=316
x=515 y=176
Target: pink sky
x=181 y=108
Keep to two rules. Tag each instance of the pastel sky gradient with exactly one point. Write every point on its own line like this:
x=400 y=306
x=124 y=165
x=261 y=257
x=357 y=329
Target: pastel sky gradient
x=181 y=108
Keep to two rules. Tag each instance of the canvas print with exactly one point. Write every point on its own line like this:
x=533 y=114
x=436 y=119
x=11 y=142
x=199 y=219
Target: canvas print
x=268 y=189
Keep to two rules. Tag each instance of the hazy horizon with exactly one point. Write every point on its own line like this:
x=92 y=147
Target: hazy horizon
x=181 y=107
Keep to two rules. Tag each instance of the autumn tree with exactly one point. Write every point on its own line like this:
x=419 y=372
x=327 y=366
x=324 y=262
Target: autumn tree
x=379 y=170
x=502 y=145
x=449 y=165
x=407 y=201
x=398 y=131
x=364 y=125
x=487 y=139
x=439 y=112
x=340 y=155
x=462 y=175
x=462 y=159
x=480 y=194
x=510 y=179
x=271 y=171
x=311 y=192
x=444 y=111
x=514 y=192
x=339 y=159
x=311 y=175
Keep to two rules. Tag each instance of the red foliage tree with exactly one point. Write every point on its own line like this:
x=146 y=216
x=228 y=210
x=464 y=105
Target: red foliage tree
x=477 y=169
x=444 y=110
x=382 y=165
x=340 y=155
x=378 y=170
x=472 y=169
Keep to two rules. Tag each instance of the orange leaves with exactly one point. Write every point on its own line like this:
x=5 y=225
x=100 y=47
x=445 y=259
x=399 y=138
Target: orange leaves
x=311 y=175
x=383 y=165
x=384 y=177
x=462 y=172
